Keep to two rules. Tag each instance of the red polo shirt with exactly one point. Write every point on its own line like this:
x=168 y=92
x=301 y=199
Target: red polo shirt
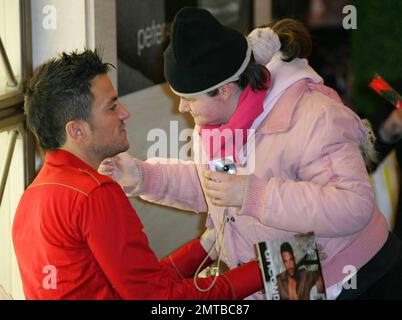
x=76 y=236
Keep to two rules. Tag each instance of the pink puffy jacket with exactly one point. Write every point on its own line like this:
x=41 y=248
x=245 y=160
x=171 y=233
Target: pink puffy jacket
x=309 y=176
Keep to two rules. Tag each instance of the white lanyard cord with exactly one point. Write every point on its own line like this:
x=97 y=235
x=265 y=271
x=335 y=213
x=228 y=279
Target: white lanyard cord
x=221 y=235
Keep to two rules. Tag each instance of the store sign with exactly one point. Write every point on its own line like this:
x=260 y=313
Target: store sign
x=143 y=29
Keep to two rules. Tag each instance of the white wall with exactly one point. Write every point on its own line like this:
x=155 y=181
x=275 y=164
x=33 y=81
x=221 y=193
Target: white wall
x=101 y=31
x=61 y=25
x=57 y=25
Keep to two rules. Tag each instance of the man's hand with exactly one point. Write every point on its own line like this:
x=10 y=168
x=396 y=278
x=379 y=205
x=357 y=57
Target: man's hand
x=225 y=190
x=122 y=168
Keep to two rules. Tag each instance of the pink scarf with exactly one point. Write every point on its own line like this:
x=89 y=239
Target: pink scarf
x=249 y=107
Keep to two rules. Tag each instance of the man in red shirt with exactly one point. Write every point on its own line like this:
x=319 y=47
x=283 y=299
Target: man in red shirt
x=76 y=235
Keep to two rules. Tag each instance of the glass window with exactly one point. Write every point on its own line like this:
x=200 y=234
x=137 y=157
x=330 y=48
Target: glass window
x=17 y=147
x=11 y=145
x=10 y=46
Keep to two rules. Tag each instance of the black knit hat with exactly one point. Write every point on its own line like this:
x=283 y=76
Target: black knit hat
x=203 y=54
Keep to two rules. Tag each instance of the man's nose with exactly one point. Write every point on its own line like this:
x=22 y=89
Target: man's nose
x=184 y=106
x=124 y=113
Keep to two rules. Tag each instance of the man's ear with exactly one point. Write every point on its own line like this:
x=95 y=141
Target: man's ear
x=75 y=130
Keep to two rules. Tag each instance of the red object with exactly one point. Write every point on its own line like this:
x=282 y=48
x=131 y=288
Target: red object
x=76 y=236
x=379 y=85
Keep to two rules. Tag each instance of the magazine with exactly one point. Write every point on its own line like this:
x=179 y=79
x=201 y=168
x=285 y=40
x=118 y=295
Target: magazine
x=291 y=268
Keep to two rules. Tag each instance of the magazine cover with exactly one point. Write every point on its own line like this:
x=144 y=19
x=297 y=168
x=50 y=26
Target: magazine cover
x=291 y=268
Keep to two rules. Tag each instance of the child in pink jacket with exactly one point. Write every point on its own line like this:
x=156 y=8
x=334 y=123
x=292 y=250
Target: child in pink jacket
x=305 y=171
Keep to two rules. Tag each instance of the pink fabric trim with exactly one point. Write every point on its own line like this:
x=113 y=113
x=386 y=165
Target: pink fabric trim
x=360 y=251
x=151 y=179
x=254 y=198
x=279 y=118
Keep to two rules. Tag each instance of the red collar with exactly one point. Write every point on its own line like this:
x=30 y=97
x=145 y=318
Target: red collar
x=62 y=157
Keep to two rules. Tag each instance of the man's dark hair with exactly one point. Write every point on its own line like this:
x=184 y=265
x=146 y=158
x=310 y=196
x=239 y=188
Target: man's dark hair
x=59 y=92
x=286 y=247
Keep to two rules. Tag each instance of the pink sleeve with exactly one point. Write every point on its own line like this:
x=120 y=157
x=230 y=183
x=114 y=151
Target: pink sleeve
x=331 y=195
x=171 y=184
